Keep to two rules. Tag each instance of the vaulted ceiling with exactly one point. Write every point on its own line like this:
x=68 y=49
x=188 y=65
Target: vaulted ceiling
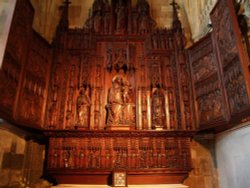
x=194 y=15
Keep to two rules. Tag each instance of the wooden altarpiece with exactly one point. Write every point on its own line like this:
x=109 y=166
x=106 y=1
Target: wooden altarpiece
x=119 y=98
x=118 y=95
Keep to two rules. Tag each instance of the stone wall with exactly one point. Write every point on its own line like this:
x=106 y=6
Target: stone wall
x=198 y=16
x=21 y=159
x=233 y=157
x=204 y=173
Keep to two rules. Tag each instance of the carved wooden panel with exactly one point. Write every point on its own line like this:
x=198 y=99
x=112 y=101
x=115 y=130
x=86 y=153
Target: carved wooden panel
x=160 y=41
x=208 y=91
x=118 y=74
x=141 y=75
x=185 y=91
x=231 y=56
x=33 y=92
x=108 y=151
x=14 y=58
x=20 y=31
x=9 y=76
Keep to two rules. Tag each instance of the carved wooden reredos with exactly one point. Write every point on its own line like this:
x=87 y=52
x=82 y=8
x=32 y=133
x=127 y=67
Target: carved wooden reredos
x=111 y=82
x=115 y=94
x=121 y=93
x=119 y=72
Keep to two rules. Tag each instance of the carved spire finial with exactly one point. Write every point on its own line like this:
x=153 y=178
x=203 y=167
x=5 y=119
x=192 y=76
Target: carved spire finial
x=176 y=22
x=64 y=22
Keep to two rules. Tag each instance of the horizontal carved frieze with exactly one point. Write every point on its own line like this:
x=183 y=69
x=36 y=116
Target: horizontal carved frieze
x=110 y=133
x=120 y=152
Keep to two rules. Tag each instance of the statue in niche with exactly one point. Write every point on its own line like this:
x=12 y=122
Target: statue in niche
x=109 y=60
x=107 y=19
x=115 y=101
x=144 y=23
x=97 y=22
x=217 y=105
x=144 y=119
x=142 y=6
x=67 y=159
x=162 y=43
x=120 y=60
x=158 y=112
x=127 y=92
x=128 y=108
x=181 y=41
x=117 y=60
x=121 y=17
x=93 y=159
x=135 y=22
x=188 y=119
x=155 y=41
x=52 y=114
x=97 y=5
x=83 y=108
x=120 y=107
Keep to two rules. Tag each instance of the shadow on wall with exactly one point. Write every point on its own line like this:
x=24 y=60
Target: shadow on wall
x=21 y=160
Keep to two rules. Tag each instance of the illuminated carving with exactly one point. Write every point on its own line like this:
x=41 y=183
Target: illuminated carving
x=83 y=108
x=120 y=106
x=158 y=109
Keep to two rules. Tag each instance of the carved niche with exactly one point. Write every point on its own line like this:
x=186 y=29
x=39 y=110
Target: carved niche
x=83 y=108
x=158 y=109
x=120 y=104
x=119 y=18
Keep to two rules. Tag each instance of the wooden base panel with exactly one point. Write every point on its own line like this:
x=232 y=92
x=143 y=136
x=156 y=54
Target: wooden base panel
x=105 y=178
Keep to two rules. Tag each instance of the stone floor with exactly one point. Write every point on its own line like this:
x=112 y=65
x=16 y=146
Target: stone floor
x=130 y=186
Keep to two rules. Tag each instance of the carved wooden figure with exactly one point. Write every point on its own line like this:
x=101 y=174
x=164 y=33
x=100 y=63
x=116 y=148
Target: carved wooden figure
x=83 y=108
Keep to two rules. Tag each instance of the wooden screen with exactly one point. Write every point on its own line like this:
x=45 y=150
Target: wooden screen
x=120 y=93
x=220 y=73
x=118 y=86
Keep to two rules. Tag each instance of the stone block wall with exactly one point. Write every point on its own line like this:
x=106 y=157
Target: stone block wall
x=21 y=160
x=204 y=173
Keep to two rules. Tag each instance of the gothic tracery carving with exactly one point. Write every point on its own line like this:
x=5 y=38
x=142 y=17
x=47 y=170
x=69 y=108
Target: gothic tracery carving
x=144 y=153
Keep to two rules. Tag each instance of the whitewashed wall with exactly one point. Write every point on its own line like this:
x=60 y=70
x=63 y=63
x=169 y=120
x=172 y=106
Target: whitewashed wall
x=6 y=13
x=233 y=157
